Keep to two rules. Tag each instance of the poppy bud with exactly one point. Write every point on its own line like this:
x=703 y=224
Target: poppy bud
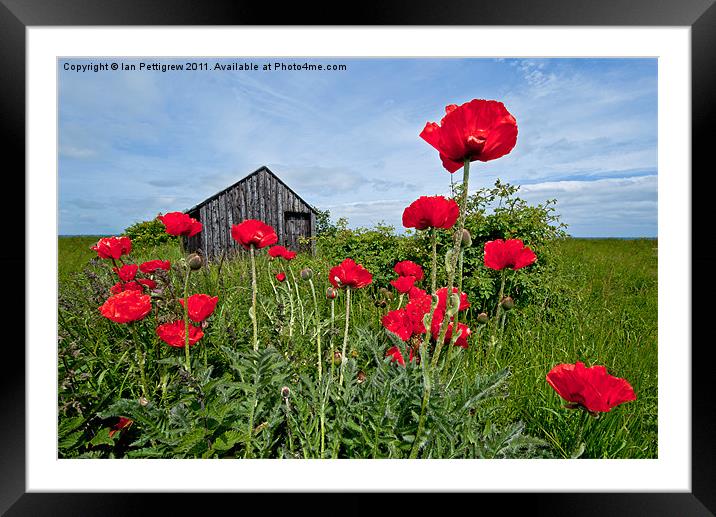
x=453 y=304
x=337 y=358
x=361 y=377
x=306 y=273
x=482 y=318
x=507 y=303
x=194 y=261
x=466 y=238
x=386 y=293
x=448 y=260
x=331 y=293
x=285 y=392
x=143 y=401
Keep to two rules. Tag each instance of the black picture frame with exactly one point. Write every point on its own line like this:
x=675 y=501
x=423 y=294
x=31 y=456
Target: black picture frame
x=17 y=15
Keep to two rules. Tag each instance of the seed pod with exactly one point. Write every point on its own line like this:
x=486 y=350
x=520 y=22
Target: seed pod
x=337 y=358
x=507 y=303
x=466 y=238
x=306 y=273
x=331 y=293
x=482 y=318
x=285 y=392
x=194 y=261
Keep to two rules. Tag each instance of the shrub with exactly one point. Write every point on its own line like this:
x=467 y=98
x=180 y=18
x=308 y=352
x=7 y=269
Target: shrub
x=146 y=234
x=493 y=213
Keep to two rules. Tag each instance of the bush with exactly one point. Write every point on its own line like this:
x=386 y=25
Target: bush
x=146 y=234
x=493 y=213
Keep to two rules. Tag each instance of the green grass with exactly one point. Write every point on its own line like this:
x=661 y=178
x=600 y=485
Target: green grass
x=601 y=308
x=611 y=320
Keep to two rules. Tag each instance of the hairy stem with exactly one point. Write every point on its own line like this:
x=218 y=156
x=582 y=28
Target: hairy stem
x=424 y=365
x=140 y=359
x=186 y=320
x=318 y=329
x=498 y=309
x=457 y=314
x=434 y=270
x=254 y=316
x=333 y=318
x=345 y=334
x=454 y=258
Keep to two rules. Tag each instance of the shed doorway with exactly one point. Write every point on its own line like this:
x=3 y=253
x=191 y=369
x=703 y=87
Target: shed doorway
x=297 y=225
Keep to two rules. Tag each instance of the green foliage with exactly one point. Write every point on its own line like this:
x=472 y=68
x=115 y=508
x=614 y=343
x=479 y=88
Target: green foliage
x=493 y=213
x=378 y=417
x=231 y=405
x=377 y=248
x=323 y=222
x=146 y=234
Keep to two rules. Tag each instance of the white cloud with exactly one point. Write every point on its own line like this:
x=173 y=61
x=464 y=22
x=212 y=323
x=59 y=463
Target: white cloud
x=614 y=207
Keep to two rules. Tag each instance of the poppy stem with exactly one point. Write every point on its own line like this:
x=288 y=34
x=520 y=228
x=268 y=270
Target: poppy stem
x=499 y=304
x=424 y=365
x=140 y=359
x=318 y=329
x=186 y=319
x=333 y=318
x=252 y=253
x=453 y=259
x=434 y=271
x=457 y=314
x=345 y=334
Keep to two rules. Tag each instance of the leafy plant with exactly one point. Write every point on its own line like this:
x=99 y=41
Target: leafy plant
x=147 y=234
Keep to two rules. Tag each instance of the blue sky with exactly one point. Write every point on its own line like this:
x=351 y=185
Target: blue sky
x=136 y=143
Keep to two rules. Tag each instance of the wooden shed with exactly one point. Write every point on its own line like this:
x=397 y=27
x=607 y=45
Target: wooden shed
x=261 y=195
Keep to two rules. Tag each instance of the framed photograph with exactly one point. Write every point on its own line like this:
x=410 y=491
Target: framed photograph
x=233 y=231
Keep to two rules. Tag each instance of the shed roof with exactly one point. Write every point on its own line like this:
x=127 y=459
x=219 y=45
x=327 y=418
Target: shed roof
x=263 y=167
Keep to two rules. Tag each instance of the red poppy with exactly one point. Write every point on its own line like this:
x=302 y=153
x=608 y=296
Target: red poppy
x=500 y=254
x=281 y=252
x=399 y=323
x=201 y=306
x=431 y=212
x=126 y=273
x=179 y=223
x=435 y=329
x=442 y=299
x=281 y=276
x=396 y=355
x=416 y=292
x=592 y=388
x=252 y=232
x=120 y=287
x=409 y=268
x=403 y=284
x=152 y=265
x=151 y=284
x=112 y=247
x=349 y=274
x=172 y=333
x=416 y=309
x=477 y=130
x=123 y=423
x=126 y=306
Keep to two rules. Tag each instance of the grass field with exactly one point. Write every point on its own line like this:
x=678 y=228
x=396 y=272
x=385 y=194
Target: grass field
x=609 y=318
